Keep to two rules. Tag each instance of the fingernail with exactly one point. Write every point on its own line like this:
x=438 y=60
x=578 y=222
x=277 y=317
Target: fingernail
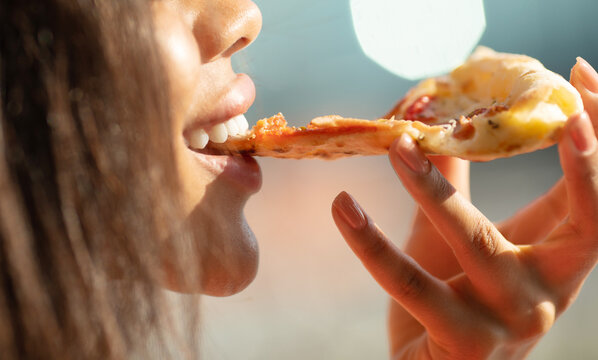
x=589 y=77
x=350 y=210
x=582 y=133
x=412 y=155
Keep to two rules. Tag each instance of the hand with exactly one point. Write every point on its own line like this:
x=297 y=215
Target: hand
x=508 y=294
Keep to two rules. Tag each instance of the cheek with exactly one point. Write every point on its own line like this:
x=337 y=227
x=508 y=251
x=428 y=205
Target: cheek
x=180 y=57
x=212 y=207
x=193 y=180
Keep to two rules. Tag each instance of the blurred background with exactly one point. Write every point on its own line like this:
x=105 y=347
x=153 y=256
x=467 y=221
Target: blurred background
x=312 y=299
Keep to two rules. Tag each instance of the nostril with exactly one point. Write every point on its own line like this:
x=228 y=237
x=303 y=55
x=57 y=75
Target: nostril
x=224 y=27
x=238 y=45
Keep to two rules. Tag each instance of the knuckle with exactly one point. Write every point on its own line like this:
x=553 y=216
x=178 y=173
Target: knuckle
x=412 y=283
x=482 y=239
x=442 y=188
x=539 y=319
x=533 y=318
x=375 y=248
x=585 y=234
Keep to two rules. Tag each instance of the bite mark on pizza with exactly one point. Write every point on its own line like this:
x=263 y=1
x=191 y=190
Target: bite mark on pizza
x=494 y=105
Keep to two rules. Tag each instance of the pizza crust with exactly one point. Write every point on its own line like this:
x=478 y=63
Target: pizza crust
x=327 y=137
x=494 y=105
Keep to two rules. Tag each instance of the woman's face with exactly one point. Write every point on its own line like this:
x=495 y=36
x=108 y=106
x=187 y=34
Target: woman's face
x=208 y=99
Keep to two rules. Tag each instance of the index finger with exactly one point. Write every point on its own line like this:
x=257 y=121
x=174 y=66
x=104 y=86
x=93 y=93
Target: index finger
x=478 y=245
x=425 y=297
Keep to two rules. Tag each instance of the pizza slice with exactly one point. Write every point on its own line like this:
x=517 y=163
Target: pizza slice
x=494 y=105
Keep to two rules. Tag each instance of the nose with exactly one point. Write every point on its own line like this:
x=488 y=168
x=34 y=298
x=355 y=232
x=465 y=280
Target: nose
x=223 y=27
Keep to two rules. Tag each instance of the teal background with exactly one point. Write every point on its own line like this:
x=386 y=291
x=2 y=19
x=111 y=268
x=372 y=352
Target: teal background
x=312 y=299
x=308 y=62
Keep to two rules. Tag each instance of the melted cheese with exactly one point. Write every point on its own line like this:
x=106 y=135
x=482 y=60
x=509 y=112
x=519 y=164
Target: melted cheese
x=527 y=106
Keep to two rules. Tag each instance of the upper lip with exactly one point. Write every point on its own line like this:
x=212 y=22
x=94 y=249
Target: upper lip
x=236 y=99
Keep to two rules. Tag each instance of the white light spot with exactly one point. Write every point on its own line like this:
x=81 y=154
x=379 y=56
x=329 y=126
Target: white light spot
x=418 y=38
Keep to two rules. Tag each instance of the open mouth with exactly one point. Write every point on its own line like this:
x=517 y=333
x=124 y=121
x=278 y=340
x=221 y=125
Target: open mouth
x=199 y=139
x=221 y=161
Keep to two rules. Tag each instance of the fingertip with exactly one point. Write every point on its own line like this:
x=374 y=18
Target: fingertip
x=417 y=173
x=575 y=68
x=406 y=152
x=580 y=134
x=349 y=210
x=585 y=73
x=393 y=150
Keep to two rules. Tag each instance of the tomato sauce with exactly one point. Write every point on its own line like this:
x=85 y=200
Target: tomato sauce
x=417 y=110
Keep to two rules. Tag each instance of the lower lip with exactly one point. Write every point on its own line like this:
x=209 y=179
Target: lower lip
x=241 y=171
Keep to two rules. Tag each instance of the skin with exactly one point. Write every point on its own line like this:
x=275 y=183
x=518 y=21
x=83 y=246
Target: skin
x=465 y=288
x=196 y=40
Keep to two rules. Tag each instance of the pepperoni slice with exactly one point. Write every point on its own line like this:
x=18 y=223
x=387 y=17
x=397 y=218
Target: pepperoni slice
x=417 y=110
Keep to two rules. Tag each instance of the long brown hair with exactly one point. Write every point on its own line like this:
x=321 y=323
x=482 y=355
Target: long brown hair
x=87 y=192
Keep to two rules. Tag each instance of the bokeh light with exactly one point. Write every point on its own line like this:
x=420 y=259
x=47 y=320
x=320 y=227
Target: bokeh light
x=416 y=39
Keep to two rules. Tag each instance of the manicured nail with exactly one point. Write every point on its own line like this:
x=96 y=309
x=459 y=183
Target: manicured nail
x=589 y=77
x=582 y=133
x=412 y=155
x=350 y=210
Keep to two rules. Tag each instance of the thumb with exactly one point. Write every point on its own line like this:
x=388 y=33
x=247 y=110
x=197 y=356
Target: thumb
x=585 y=79
x=578 y=151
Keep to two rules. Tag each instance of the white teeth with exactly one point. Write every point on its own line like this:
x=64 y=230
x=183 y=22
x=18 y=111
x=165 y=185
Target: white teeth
x=232 y=127
x=242 y=123
x=198 y=139
x=218 y=133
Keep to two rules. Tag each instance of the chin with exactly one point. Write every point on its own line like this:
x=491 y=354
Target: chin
x=227 y=252
x=230 y=255
x=226 y=263
x=231 y=262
